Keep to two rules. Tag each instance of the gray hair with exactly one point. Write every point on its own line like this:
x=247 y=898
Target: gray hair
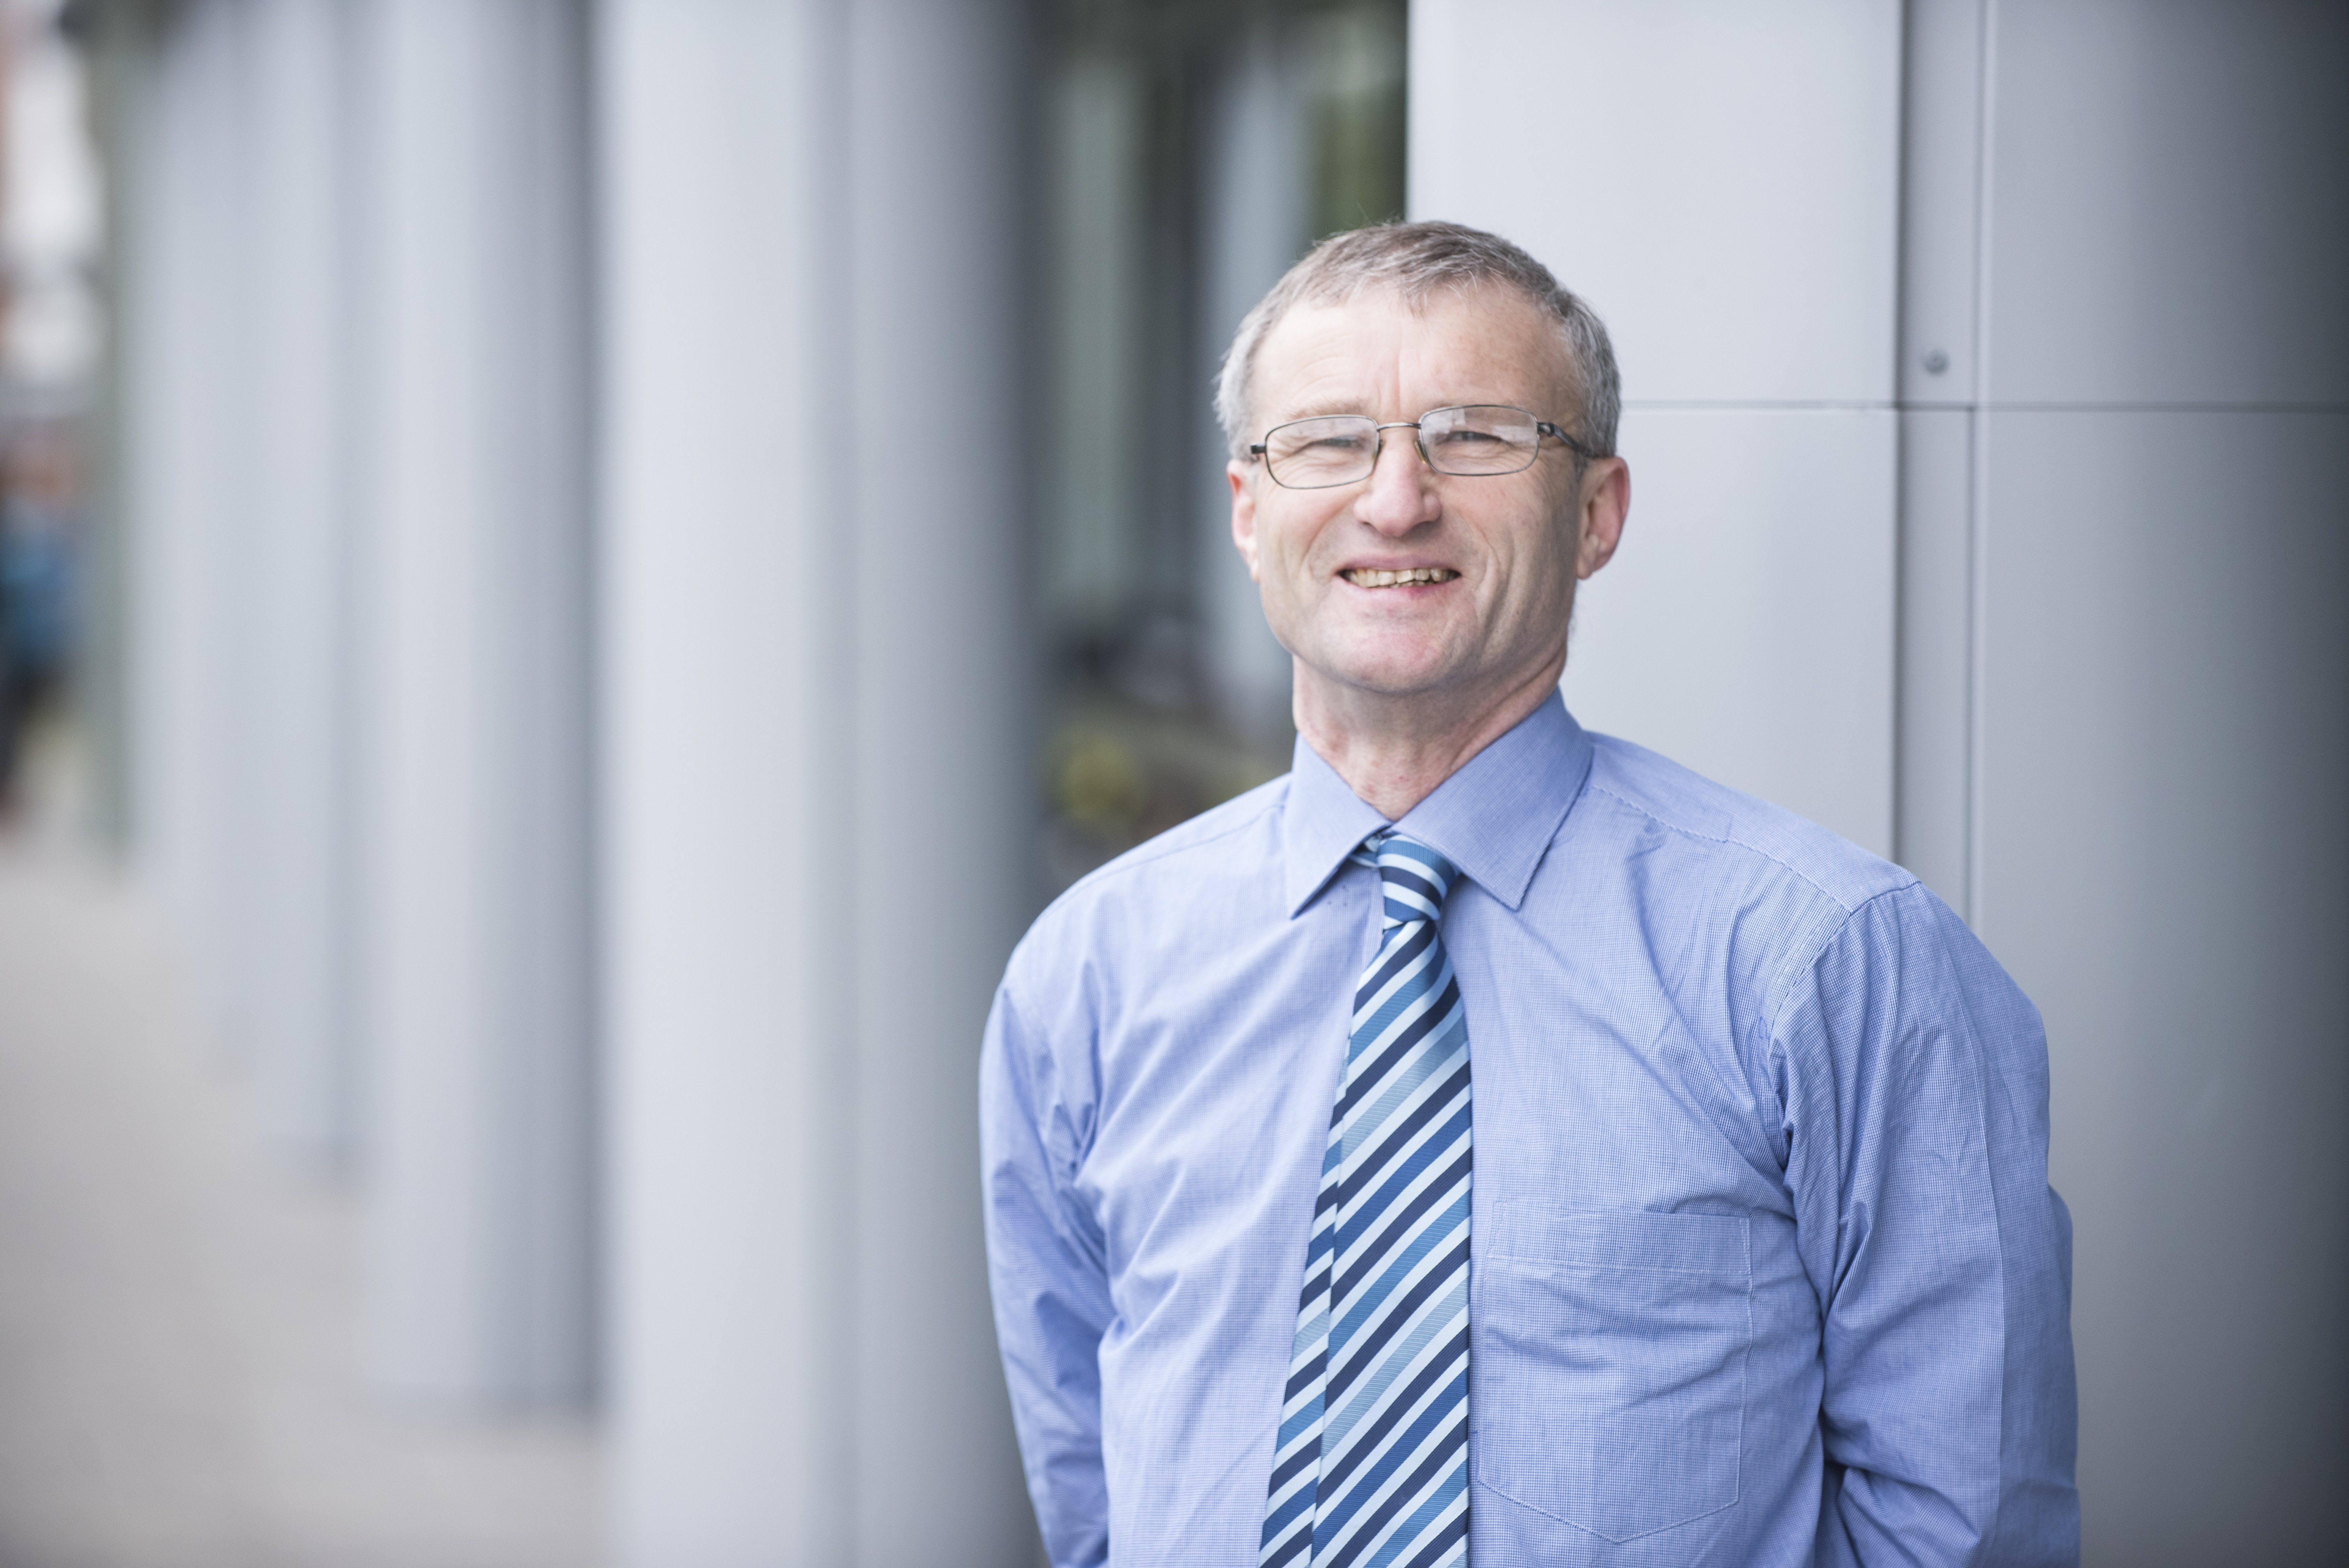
x=1416 y=259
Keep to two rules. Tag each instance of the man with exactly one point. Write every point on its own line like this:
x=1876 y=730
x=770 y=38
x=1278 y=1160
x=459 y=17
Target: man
x=1492 y=1142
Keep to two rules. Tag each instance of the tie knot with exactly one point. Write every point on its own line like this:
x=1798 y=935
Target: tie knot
x=1415 y=876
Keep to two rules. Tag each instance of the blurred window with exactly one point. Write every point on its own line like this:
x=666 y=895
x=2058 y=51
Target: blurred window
x=1193 y=151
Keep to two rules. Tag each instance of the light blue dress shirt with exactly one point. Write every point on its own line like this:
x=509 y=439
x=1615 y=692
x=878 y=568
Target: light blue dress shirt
x=1766 y=1269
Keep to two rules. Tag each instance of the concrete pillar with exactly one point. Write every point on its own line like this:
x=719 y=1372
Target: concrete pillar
x=118 y=50
x=230 y=506
x=943 y=752
x=184 y=404
x=475 y=758
x=297 y=672
x=726 y=567
x=819 y=758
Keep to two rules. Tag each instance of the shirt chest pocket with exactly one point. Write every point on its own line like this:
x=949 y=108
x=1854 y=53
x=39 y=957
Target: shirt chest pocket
x=1609 y=1364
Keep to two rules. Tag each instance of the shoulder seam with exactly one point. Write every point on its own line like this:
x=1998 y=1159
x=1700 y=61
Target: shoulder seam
x=1784 y=986
x=1804 y=877
x=1136 y=857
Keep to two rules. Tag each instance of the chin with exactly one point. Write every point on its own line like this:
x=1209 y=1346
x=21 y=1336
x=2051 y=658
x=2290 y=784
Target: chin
x=1394 y=676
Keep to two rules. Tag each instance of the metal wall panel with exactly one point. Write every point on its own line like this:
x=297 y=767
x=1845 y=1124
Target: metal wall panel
x=1720 y=181
x=2162 y=662
x=2164 y=853
x=1746 y=626
x=2168 y=222
x=1723 y=184
x=2123 y=373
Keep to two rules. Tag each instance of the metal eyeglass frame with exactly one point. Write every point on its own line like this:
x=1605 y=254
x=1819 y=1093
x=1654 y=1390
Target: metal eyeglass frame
x=1258 y=450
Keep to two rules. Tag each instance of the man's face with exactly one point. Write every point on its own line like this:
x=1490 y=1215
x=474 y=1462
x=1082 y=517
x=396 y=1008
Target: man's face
x=1504 y=552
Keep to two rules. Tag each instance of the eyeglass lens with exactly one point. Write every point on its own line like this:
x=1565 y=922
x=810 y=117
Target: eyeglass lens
x=1343 y=449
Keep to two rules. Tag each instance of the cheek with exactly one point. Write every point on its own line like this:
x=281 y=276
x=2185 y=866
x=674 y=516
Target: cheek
x=1537 y=574
x=1285 y=543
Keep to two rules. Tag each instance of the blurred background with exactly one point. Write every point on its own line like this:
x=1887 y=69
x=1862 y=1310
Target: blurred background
x=571 y=574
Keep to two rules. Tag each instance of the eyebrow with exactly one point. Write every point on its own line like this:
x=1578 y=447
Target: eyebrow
x=1324 y=409
x=1327 y=408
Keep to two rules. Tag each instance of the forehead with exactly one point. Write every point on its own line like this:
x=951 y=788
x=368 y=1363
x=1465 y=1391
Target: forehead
x=1380 y=352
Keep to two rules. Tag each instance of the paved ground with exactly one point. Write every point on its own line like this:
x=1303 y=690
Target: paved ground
x=178 y=1313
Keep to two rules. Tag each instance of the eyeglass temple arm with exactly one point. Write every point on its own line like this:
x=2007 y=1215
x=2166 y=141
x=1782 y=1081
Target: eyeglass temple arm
x=1547 y=429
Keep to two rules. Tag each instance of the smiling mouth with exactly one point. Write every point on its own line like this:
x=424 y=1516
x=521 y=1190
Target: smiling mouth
x=1367 y=577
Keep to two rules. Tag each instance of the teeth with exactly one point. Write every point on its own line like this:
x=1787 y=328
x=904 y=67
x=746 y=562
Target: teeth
x=1365 y=577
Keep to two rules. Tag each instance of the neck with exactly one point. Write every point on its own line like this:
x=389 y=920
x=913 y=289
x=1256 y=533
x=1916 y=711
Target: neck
x=1393 y=752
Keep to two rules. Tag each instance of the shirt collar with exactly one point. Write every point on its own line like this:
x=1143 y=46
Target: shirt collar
x=1493 y=819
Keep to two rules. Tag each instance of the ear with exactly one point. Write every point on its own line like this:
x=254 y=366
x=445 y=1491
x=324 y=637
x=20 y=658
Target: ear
x=1606 y=501
x=1243 y=514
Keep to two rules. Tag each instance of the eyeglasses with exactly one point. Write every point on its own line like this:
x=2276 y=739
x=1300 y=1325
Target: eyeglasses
x=1482 y=439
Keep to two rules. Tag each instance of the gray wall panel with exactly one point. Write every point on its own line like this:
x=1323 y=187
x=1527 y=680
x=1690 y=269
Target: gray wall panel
x=1745 y=627
x=2165 y=859
x=1721 y=181
x=2121 y=650
x=2167 y=220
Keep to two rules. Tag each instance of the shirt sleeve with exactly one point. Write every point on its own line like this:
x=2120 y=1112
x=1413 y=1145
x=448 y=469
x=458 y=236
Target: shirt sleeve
x=1914 y=1078
x=1046 y=1268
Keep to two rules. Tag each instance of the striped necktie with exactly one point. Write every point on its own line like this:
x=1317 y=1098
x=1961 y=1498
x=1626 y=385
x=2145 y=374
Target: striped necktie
x=1371 y=1465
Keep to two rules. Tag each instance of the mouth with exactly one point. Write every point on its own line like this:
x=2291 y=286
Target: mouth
x=1373 y=577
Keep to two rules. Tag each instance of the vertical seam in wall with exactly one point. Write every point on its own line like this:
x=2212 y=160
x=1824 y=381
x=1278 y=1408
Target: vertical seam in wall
x=1899 y=406
x=586 y=224
x=1978 y=431
x=841 y=1529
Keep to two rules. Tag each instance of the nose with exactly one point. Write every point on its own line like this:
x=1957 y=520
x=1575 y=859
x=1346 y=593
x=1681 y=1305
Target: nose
x=1400 y=494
